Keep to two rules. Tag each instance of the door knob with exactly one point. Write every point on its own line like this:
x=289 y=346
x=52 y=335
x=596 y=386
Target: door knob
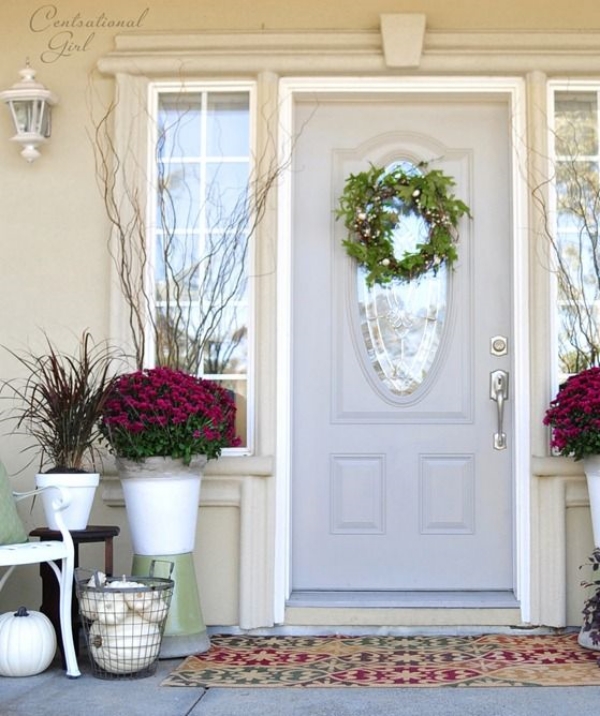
x=499 y=394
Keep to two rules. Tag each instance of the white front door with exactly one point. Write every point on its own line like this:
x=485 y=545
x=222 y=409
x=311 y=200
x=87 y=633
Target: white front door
x=398 y=485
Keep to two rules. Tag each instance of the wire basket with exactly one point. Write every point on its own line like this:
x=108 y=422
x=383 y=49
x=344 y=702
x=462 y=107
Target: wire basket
x=123 y=620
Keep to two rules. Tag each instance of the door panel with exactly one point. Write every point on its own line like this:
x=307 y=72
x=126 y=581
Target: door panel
x=391 y=490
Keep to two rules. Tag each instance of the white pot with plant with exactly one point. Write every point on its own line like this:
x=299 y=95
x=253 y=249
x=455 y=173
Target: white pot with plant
x=59 y=403
x=574 y=416
x=163 y=425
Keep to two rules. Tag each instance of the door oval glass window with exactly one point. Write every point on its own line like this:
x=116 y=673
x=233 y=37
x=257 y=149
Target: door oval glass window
x=402 y=322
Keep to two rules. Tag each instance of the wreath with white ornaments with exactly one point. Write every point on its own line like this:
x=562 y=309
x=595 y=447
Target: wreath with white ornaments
x=372 y=206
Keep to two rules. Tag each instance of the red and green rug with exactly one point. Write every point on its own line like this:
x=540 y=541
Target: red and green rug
x=387 y=661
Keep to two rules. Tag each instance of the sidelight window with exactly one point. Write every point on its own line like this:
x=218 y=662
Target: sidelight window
x=574 y=234
x=200 y=239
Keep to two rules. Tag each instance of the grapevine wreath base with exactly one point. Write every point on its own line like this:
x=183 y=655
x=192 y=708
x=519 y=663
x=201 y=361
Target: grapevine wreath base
x=372 y=206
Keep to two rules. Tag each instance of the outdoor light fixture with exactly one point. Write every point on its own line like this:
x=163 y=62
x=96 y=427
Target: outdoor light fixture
x=30 y=105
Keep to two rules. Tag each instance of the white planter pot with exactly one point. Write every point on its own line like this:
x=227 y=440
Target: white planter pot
x=82 y=487
x=162 y=497
x=591 y=465
x=585 y=641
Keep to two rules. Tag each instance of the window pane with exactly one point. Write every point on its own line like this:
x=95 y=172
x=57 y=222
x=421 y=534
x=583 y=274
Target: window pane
x=227 y=350
x=176 y=265
x=576 y=123
x=179 y=196
x=179 y=125
x=227 y=194
x=239 y=392
x=577 y=334
x=228 y=124
x=577 y=188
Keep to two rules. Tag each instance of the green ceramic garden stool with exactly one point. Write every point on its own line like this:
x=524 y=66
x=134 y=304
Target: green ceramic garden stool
x=185 y=632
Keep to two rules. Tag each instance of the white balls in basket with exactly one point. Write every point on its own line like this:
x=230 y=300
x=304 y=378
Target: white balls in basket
x=126 y=616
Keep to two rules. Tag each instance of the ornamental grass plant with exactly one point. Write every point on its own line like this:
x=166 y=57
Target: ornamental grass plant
x=60 y=401
x=574 y=415
x=163 y=412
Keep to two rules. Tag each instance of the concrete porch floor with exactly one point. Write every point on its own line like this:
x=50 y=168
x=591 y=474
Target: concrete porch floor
x=52 y=694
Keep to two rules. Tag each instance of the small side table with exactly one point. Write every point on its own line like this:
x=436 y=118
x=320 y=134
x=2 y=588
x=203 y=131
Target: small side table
x=50 y=591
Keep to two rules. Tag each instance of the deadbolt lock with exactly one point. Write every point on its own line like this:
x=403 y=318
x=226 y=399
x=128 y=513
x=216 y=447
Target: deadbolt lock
x=498 y=345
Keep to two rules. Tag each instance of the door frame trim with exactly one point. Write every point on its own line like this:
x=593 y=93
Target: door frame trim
x=513 y=88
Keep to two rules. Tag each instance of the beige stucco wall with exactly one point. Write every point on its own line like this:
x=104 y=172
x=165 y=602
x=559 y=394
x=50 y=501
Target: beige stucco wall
x=54 y=264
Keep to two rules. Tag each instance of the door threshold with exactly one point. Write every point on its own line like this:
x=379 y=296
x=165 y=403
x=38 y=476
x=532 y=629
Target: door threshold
x=404 y=599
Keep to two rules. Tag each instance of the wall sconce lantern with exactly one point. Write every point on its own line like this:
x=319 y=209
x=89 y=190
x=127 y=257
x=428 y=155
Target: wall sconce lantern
x=30 y=105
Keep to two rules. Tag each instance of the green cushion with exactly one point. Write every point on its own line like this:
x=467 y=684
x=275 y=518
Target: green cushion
x=11 y=527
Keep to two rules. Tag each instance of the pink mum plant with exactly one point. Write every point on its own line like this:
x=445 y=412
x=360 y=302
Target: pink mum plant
x=574 y=415
x=161 y=412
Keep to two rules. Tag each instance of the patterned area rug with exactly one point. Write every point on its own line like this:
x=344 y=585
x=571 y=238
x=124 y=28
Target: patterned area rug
x=491 y=660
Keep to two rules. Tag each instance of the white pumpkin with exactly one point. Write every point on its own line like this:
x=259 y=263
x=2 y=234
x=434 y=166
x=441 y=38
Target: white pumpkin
x=88 y=605
x=88 y=601
x=122 y=584
x=98 y=579
x=138 y=601
x=27 y=643
x=111 y=607
x=131 y=645
x=154 y=610
x=149 y=605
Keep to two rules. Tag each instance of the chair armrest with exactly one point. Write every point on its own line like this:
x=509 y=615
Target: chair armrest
x=60 y=502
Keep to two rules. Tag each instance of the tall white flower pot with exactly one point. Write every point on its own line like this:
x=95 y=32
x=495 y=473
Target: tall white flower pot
x=162 y=498
x=591 y=465
x=82 y=489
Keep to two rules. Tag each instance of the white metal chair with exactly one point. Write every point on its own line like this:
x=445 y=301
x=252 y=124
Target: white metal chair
x=50 y=552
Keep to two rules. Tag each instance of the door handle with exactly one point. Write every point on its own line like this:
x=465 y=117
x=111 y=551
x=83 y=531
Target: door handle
x=499 y=393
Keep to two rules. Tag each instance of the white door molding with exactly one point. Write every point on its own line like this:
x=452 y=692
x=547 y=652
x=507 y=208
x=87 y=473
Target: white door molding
x=514 y=89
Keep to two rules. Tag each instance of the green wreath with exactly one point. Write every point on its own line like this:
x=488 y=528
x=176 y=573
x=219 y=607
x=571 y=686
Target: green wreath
x=372 y=205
